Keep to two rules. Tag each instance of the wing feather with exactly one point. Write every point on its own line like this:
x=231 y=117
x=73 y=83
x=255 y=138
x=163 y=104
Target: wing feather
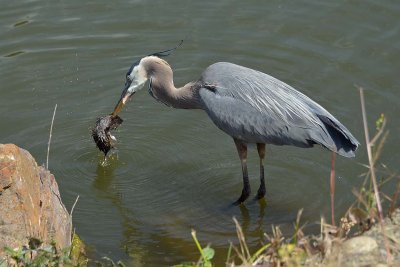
x=257 y=107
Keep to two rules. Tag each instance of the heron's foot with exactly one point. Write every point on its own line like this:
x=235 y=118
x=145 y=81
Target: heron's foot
x=260 y=193
x=245 y=194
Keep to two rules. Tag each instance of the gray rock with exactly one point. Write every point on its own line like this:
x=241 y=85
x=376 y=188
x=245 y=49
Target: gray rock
x=360 y=245
x=359 y=251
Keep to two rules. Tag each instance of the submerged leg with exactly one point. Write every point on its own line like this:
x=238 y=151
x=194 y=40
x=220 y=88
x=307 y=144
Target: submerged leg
x=242 y=151
x=332 y=188
x=261 y=154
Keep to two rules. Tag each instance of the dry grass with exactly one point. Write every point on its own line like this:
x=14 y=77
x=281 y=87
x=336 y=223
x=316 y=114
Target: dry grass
x=50 y=134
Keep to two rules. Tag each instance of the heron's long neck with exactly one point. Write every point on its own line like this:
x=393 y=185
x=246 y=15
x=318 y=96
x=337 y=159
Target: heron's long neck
x=164 y=90
x=186 y=97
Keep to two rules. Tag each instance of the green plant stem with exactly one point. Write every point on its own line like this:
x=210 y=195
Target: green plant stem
x=258 y=252
x=198 y=246
x=229 y=252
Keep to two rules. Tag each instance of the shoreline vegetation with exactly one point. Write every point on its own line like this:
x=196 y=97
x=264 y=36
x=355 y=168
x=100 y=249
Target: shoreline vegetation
x=367 y=234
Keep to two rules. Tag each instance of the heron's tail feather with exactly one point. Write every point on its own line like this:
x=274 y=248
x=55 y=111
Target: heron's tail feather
x=337 y=139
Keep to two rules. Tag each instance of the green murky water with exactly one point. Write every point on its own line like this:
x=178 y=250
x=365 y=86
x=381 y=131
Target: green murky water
x=174 y=169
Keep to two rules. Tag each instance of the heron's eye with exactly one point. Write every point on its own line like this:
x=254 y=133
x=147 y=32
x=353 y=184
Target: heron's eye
x=128 y=78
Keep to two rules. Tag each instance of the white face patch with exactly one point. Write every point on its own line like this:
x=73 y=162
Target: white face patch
x=138 y=78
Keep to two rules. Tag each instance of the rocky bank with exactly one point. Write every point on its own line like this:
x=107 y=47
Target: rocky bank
x=30 y=202
x=367 y=249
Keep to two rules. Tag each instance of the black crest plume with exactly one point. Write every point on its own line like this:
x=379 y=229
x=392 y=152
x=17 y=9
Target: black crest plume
x=157 y=54
x=166 y=52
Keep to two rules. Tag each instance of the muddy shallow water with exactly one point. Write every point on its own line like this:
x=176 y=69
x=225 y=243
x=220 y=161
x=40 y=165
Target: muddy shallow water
x=174 y=170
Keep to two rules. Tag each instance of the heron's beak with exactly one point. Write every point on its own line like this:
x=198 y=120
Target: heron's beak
x=126 y=95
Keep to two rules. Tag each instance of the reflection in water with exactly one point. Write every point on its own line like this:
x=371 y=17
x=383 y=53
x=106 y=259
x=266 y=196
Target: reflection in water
x=105 y=175
x=176 y=170
x=261 y=214
x=139 y=241
x=257 y=222
x=139 y=251
x=104 y=183
x=246 y=218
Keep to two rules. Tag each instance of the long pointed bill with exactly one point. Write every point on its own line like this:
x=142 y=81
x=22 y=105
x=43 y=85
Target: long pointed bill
x=121 y=103
x=117 y=108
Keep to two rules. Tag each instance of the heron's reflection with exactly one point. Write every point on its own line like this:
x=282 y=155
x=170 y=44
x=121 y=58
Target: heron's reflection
x=139 y=240
x=245 y=216
x=134 y=232
x=252 y=221
x=261 y=215
x=105 y=183
x=105 y=175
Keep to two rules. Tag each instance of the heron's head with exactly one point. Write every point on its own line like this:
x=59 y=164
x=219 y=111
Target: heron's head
x=136 y=78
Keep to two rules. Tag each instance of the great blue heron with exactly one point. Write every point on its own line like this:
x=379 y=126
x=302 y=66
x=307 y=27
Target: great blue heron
x=248 y=105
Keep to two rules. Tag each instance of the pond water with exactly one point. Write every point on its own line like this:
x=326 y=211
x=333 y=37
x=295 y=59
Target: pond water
x=174 y=170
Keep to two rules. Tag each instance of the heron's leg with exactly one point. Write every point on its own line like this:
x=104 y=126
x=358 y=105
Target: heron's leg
x=332 y=188
x=242 y=151
x=261 y=154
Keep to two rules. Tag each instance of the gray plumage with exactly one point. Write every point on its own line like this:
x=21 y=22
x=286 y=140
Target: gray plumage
x=257 y=108
x=248 y=105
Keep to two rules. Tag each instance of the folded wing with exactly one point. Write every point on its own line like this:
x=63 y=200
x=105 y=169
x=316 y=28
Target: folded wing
x=255 y=107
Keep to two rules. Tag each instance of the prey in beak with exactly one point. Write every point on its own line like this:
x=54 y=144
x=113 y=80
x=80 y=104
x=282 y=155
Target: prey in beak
x=135 y=80
x=101 y=132
x=136 y=77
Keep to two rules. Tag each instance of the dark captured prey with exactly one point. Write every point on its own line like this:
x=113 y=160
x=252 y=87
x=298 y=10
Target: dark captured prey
x=250 y=106
x=101 y=132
